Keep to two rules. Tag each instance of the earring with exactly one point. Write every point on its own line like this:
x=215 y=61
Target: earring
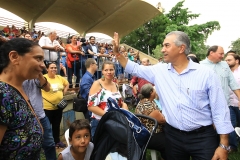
x=103 y=78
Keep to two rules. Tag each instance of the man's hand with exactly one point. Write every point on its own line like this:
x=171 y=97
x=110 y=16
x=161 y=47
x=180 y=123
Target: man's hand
x=131 y=85
x=56 y=48
x=115 y=43
x=220 y=154
x=82 y=53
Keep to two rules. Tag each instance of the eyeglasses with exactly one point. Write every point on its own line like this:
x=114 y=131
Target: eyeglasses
x=92 y=39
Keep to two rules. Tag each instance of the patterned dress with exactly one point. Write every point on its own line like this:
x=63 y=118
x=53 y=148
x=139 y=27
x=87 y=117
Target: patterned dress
x=145 y=107
x=100 y=99
x=23 y=137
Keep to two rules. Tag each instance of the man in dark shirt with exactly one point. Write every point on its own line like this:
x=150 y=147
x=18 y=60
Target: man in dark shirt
x=87 y=80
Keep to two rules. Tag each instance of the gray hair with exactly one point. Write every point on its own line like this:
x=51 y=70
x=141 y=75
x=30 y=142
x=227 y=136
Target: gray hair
x=50 y=31
x=146 y=91
x=182 y=38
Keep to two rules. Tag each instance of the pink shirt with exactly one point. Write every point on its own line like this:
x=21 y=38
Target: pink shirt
x=233 y=99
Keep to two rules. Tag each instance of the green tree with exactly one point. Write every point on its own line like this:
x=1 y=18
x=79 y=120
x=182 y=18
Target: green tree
x=157 y=52
x=235 y=46
x=153 y=32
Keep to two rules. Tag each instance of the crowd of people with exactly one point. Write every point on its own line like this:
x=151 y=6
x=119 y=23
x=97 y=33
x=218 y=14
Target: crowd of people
x=70 y=56
x=14 y=32
x=195 y=103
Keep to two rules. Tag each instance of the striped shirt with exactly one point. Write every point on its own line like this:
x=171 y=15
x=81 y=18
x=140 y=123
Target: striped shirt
x=225 y=74
x=189 y=100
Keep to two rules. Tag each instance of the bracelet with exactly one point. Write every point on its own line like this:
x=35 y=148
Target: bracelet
x=227 y=148
x=118 y=54
x=44 y=85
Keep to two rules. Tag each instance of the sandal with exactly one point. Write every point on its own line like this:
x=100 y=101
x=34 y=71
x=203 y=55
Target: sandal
x=60 y=145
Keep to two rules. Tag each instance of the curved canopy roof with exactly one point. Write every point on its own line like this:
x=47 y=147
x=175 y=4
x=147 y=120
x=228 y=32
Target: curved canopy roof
x=85 y=16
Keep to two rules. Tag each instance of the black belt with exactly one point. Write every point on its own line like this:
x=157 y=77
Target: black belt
x=199 y=130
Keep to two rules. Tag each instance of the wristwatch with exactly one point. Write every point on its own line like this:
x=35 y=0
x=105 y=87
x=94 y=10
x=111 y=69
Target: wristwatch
x=227 y=148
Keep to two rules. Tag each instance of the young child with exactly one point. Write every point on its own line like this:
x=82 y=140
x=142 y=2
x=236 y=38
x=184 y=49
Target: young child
x=79 y=138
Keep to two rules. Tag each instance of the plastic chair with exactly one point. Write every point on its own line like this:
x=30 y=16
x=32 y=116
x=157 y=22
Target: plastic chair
x=153 y=154
x=237 y=130
x=67 y=136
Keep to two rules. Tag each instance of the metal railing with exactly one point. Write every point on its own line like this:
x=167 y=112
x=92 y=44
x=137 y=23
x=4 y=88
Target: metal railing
x=119 y=70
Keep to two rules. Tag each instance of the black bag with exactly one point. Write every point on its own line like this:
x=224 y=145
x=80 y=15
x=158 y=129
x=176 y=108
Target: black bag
x=140 y=132
x=79 y=104
x=61 y=105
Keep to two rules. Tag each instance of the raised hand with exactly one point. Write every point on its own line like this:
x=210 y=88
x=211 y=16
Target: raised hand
x=115 y=43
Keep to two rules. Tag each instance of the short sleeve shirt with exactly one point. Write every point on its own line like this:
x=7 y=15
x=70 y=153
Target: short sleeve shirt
x=55 y=95
x=23 y=137
x=99 y=99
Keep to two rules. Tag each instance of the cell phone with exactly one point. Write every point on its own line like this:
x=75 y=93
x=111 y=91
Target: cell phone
x=78 y=43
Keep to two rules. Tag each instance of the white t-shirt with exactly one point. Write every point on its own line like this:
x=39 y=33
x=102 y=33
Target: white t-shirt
x=45 y=41
x=66 y=153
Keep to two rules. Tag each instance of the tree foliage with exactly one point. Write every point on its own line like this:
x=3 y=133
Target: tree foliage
x=235 y=46
x=153 y=32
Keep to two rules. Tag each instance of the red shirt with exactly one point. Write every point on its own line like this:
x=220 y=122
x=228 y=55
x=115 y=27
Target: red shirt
x=6 y=30
x=139 y=81
x=71 y=57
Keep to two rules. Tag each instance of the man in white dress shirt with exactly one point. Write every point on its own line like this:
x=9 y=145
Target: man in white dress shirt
x=50 y=46
x=192 y=101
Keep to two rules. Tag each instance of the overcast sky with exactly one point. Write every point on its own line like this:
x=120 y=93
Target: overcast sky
x=226 y=12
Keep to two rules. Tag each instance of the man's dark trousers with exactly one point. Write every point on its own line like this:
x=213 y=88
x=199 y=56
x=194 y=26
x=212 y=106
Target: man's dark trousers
x=200 y=144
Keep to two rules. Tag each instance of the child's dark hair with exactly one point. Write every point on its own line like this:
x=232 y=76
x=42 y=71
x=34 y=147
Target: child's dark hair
x=20 y=45
x=79 y=125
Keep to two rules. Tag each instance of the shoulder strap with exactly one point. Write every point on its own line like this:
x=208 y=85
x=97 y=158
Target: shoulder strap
x=116 y=86
x=49 y=102
x=100 y=84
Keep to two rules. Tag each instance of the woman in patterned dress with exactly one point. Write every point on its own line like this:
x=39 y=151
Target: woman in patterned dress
x=20 y=129
x=148 y=107
x=100 y=91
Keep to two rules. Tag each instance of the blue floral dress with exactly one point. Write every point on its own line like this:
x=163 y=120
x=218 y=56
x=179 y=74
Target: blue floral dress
x=23 y=137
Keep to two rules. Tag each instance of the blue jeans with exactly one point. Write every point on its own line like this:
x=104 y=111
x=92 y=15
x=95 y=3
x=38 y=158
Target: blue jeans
x=93 y=124
x=48 y=141
x=64 y=61
x=235 y=115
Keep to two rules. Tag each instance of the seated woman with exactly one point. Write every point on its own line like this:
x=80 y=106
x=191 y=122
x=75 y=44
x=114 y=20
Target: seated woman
x=100 y=91
x=148 y=107
x=59 y=87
